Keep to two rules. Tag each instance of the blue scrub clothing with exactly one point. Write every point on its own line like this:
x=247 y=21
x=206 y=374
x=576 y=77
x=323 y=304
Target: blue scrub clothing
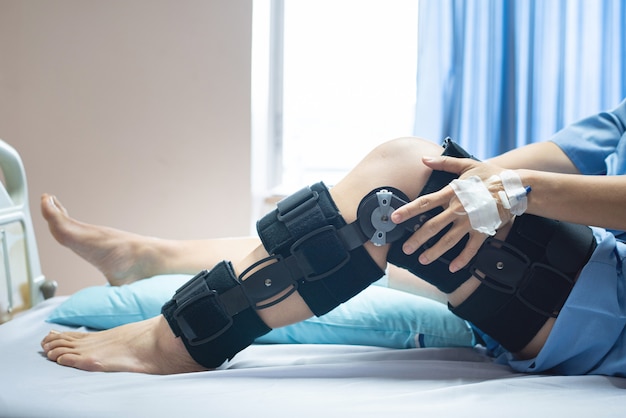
x=589 y=335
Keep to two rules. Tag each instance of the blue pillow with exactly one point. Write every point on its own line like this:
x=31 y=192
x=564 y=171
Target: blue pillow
x=378 y=316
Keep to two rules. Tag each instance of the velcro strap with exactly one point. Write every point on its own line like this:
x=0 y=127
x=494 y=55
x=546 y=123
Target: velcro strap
x=320 y=253
x=306 y=210
x=195 y=302
x=325 y=257
x=213 y=317
x=546 y=290
x=563 y=254
x=351 y=278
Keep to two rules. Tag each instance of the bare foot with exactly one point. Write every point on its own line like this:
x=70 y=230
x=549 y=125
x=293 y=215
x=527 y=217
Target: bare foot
x=121 y=256
x=141 y=347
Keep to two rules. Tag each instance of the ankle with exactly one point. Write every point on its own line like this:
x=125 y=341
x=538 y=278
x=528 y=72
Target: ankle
x=152 y=255
x=174 y=356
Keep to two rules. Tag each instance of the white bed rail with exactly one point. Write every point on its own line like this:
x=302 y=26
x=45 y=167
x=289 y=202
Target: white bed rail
x=16 y=230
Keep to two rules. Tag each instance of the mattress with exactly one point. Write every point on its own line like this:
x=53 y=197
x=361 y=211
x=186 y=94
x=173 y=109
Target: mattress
x=294 y=380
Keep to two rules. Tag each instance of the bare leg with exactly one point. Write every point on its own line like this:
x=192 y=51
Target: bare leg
x=124 y=257
x=143 y=346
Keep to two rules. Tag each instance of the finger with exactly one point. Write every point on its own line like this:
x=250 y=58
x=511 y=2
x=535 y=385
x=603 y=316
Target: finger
x=422 y=204
x=449 y=164
x=470 y=250
x=430 y=228
x=443 y=245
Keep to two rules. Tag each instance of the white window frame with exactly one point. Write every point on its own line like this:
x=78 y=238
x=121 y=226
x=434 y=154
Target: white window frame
x=268 y=184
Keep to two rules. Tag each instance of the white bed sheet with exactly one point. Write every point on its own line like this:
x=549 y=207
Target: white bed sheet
x=320 y=381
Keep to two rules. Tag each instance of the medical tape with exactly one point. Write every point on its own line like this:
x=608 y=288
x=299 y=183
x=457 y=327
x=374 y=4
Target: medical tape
x=515 y=192
x=479 y=204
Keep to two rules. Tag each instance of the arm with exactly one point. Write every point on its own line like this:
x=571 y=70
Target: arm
x=587 y=200
x=543 y=156
x=552 y=169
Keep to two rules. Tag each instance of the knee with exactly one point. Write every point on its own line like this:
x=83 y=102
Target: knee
x=409 y=147
x=398 y=163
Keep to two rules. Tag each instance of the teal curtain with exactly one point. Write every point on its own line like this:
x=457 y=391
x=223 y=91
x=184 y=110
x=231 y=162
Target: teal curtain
x=498 y=74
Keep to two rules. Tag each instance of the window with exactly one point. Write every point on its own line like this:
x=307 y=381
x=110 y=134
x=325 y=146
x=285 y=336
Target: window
x=331 y=79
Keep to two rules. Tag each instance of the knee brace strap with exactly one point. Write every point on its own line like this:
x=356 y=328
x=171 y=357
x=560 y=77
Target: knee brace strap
x=526 y=279
x=213 y=316
x=307 y=230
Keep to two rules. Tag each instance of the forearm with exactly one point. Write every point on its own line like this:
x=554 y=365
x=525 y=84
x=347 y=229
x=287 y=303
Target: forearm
x=542 y=156
x=587 y=200
x=560 y=192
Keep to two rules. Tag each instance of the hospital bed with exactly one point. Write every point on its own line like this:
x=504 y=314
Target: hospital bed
x=341 y=375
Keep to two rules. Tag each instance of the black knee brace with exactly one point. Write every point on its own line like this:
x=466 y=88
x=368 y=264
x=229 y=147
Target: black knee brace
x=524 y=280
x=312 y=251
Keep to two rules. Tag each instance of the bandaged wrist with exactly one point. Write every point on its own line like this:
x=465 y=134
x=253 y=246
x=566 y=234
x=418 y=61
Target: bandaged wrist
x=515 y=192
x=479 y=204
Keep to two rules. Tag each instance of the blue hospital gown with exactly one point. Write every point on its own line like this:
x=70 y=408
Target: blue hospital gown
x=589 y=336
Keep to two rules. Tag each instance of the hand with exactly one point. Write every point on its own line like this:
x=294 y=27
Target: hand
x=453 y=213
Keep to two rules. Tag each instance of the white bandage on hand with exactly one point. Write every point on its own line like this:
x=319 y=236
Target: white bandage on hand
x=515 y=192
x=479 y=204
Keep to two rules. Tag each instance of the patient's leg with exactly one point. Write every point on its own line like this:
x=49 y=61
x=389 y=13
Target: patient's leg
x=124 y=257
x=151 y=347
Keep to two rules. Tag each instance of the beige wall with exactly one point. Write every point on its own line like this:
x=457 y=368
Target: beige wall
x=135 y=113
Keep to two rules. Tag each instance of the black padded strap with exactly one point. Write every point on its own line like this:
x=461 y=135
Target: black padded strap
x=307 y=230
x=295 y=216
x=213 y=317
x=526 y=279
